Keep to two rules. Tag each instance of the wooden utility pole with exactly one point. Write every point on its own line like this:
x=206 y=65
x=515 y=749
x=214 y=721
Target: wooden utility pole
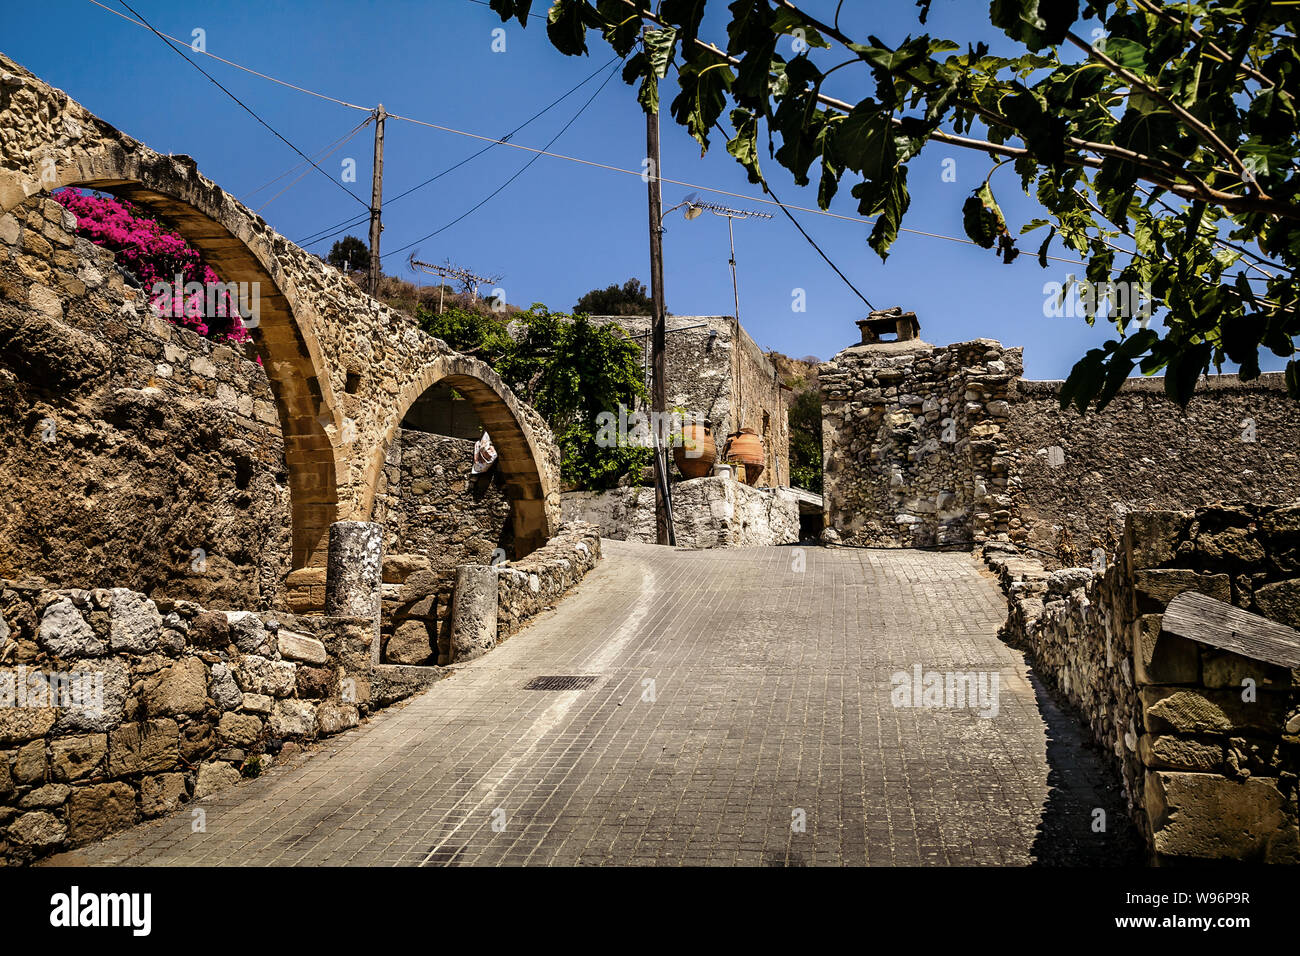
x=376 y=198
x=658 y=361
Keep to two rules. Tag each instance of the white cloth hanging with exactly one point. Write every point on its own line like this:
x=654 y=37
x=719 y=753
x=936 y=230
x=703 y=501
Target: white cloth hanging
x=485 y=455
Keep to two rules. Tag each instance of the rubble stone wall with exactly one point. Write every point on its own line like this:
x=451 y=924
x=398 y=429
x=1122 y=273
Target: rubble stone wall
x=1080 y=474
x=131 y=450
x=718 y=372
x=115 y=708
x=916 y=449
x=1207 y=741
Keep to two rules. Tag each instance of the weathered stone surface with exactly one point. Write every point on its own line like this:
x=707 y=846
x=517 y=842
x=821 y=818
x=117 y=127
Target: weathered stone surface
x=214 y=777
x=353 y=577
x=474 y=612
x=257 y=703
x=29 y=763
x=1222 y=669
x=48 y=797
x=19 y=724
x=65 y=633
x=1187 y=710
x=38 y=831
x=300 y=647
x=134 y=622
x=293 y=718
x=181 y=688
x=72 y=758
x=333 y=717
x=110 y=675
x=210 y=630
x=1206 y=816
x=162 y=794
x=223 y=688
x=1154 y=536
x=242 y=730
x=314 y=682
x=1181 y=753
x=248 y=633
x=1280 y=602
x=6 y=777
x=145 y=747
x=261 y=675
x=95 y=812
x=413 y=642
x=1162 y=586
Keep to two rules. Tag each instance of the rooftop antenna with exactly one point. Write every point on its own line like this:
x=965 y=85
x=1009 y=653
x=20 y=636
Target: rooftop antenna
x=468 y=279
x=694 y=207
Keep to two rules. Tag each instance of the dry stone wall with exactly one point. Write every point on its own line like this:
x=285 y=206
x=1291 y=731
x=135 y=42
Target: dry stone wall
x=115 y=708
x=916 y=449
x=1207 y=741
x=1077 y=475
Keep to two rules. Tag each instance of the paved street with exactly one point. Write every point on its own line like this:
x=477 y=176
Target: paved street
x=741 y=713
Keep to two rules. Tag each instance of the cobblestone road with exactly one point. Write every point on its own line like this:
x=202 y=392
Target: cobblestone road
x=735 y=698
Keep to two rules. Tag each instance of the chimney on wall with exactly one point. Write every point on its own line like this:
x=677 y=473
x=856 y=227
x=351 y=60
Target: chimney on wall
x=889 y=325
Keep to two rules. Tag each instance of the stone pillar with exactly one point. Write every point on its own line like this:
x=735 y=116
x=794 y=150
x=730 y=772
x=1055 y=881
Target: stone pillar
x=473 y=612
x=353 y=573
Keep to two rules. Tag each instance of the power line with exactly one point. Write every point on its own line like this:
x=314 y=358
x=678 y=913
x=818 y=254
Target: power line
x=265 y=76
x=330 y=231
x=521 y=169
x=332 y=149
x=321 y=154
x=243 y=105
x=341 y=227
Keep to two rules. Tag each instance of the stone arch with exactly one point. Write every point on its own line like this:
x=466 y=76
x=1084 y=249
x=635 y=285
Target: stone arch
x=58 y=143
x=521 y=457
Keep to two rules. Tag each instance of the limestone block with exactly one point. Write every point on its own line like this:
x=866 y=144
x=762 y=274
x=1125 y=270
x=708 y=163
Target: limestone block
x=1187 y=710
x=65 y=633
x=1209 y=817
x=1181 y=753
x=1160 y=658
x=474 y=612
x=181 y=688
x=300 y=647
x=214 y=776
x=161 y=794
x=145 y=747
x=96 y=811
x=72 y=758
x=134 y=622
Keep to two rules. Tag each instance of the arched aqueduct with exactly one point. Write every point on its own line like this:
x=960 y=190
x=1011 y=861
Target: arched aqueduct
x=343 y=367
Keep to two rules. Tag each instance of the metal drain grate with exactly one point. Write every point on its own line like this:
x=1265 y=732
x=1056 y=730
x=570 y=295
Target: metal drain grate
x=560 y=682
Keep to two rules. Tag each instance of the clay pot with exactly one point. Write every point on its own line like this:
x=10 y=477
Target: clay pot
x=696 y=438
x=746 y=448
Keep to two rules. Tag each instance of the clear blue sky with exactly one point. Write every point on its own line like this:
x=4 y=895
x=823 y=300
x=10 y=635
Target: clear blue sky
x=560 y=229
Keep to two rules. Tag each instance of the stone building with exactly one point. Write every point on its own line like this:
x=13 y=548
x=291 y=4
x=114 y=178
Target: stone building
x=716 y=371
x=930 y=445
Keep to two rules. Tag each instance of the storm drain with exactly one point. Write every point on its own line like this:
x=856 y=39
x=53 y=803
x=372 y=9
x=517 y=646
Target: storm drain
x=560 y=682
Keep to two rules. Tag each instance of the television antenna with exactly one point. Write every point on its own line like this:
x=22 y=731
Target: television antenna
x=694 y=207
x=469 y=280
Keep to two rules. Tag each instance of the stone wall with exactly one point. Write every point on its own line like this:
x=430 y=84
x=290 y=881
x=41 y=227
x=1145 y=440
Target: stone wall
x=343 y=368
x=915 y=446
x=718 y=372
x=1080 y=474
x=131 y=450
x=1208 y=741
x=947 y=446
x=418 y=599
x=431 y=504
x=707 y=513
x=158 y=703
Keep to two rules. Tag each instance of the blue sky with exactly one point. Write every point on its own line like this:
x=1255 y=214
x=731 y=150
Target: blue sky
x=561 y=228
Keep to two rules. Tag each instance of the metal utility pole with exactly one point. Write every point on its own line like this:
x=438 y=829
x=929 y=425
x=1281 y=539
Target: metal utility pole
x=658 y=360
x=376 y=198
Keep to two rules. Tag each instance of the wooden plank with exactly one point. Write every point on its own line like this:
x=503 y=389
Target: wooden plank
x=1200 y=618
